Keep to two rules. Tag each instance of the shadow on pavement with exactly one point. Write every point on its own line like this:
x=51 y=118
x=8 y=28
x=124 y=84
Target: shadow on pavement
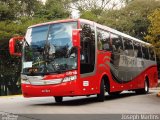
x=87 y=100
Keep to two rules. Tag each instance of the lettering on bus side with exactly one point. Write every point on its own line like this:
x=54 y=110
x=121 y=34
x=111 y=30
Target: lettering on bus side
x=127 y=61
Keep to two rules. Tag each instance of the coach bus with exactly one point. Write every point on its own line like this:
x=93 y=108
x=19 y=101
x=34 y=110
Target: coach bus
x=78 y=57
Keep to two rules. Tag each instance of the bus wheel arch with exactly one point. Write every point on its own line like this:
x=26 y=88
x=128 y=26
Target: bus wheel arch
x=107 y=87
x=145 y=89
x=106 y=83
x=101 y=94
x=147 y=80
x=103 y=84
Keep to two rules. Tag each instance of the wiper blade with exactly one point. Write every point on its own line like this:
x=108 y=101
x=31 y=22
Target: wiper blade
x=56 y=72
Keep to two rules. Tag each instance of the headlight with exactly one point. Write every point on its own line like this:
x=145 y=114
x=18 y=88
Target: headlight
x=70 y=78
x=25 y=81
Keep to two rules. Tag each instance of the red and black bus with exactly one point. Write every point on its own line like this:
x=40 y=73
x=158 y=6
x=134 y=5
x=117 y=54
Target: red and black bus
x=78 y=57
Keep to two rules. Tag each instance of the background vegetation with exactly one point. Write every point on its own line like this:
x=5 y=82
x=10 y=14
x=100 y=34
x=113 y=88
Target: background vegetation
x=139 y=18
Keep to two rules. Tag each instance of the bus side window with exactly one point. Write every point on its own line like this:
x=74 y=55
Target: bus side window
x=103 y=40
x=117 y=44
x=128 y=45
x=99 y=40
x=151 y=53
x=145 y=53
x=137 y=49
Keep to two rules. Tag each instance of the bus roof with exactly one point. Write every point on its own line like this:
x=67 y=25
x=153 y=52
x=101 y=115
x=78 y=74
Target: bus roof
x=92 y=23
x=52 y=22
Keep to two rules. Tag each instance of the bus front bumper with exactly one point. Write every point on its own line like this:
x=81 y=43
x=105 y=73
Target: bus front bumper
x=63 y=89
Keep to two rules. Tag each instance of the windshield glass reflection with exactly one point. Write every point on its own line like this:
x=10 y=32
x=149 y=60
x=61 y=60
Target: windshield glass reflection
x=49 y=49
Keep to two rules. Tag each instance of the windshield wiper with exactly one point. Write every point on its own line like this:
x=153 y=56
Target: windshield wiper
x=55 y=72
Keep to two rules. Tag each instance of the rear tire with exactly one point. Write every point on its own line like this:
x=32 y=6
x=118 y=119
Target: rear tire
x=146 y=87
x=101 y=95
x=58 y=99
x=144 y=90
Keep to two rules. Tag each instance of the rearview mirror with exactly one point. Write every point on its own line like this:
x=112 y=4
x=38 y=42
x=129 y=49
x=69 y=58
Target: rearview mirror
x=13 y=46
x=76 y=37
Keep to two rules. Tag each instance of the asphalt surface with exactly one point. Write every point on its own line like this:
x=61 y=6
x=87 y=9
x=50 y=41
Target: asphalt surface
x=45 y=108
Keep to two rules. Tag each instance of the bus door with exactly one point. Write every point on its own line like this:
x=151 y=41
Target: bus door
x=87 y=58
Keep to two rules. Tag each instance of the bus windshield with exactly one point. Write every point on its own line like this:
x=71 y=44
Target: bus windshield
x=49 y=49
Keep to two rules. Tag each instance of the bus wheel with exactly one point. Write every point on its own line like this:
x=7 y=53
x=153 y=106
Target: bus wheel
x=146 y=87
x=114 y=93
x=58 y=99
x=101 y=95
x=144 y=90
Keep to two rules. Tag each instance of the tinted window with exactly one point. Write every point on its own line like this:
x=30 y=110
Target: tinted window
x=137 y=49
x=103 y=40
x=128 y=45
x=117 y=45
x=145 y=52
x=151 y=53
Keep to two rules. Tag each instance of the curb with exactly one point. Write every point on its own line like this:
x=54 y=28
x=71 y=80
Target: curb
x=10 y=96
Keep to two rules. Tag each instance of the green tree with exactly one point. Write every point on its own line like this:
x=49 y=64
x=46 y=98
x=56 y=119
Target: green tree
x=93 y=9
x=154 y=30
x=13 y=9
x=128 y=16
x=10 y=28
x=29 y=7
x=54 y=9
x=154 y=33
x=9 y=9
x=131 y=19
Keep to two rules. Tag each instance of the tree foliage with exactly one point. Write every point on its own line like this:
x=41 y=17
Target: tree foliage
x=93 y=9
x=54 y=9
x=154 y=30
x=10 y=28
x=13 y=9
x=128 y=16
x=132 y=19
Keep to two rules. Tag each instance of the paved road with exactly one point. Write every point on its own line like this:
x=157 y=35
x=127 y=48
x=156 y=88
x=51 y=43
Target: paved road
x=126 y=103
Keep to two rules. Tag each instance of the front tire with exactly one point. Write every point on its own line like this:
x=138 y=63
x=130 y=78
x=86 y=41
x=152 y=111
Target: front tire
x=58 y=99
x=101 y=95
